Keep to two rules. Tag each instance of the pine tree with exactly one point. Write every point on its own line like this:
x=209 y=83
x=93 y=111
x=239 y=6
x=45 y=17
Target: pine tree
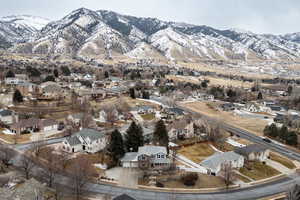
x=160 y=135
x=55 y=73
x=134 y=137
x=18 y=97
x=273 y=130
x=283 y=133
x=132 y=93
x=259 y=96
x=116 y=146
x=10 y=74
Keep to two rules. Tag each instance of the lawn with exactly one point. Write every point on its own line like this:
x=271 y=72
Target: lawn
x=282 y=160
x=196 y=152
x=258 y=171
x=173 y=181
x=11 y=138
x=148 y=117
x=242 y=178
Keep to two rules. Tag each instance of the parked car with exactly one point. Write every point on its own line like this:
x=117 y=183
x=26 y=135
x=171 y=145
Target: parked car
x=267 y=140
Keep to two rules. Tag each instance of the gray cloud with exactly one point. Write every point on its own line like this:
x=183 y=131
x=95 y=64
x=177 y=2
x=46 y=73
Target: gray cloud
x=260 y=16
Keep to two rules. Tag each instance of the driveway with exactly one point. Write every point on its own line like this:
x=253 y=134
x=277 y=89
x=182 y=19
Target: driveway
x=126 y=177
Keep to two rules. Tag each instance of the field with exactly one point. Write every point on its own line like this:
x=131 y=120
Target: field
x=258 y=171
x=253 y=125
x=196 y=152
x=148 y=117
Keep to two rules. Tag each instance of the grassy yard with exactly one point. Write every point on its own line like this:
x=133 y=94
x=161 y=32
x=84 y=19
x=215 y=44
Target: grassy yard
x=173 y=181
x=282 y=160
x=148 y=117
x=242 y=178
x=258 y=171
x=196 y=152
x=11 y=138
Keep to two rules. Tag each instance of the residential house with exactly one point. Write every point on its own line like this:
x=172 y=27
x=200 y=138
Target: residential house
x=7 y=116
x=88 y=140
x=76 y=118
x=254 y=152
x=181 y=129
x=34 y=125
x=145 y=110
x=215 y=162
x=148 y=158
x=27 y=88
x=252 y=107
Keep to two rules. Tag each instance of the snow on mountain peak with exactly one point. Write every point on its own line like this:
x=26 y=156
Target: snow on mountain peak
x=26 y=20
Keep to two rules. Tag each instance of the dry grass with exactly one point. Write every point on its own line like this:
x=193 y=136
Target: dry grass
x=196 y=152
x=242 y=178
x=282 y=160
x=253 y=125
x=173 y=181
x=258 y=171
x=20 y=139
x=148 y=117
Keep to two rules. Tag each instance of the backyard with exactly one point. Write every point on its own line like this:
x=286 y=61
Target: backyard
x=197 y=152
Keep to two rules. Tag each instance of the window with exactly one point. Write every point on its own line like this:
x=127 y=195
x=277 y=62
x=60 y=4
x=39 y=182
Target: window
x=162 y=156
x=158 y=155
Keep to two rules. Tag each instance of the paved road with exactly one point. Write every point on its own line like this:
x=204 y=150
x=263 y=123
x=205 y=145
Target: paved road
x=254 y=192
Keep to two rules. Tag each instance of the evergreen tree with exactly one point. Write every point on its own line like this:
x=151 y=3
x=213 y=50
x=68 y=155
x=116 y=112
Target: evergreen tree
x=259 y=96
x=283 y=133
x=160 y=135
x=292 y=138
x=134 y=137
x=18 y=97
x=10 y=74
x=49 y=78
x=55 y=73
x=132 y=93
x=116 y=146
x=290 y=90
x=65 y=70
x=273 y=131
x=106 y=74
x=267 y=131
x=146 y=95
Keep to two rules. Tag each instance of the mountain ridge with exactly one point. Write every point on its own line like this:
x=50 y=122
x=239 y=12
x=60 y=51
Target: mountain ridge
x=103 y=34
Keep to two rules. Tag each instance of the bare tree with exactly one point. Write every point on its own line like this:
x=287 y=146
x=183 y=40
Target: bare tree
x=80 y=172
x=6 y=154
x=227 y=173
x=51 y=166
x=26 y=165
x=293 y=193
x=37 y=147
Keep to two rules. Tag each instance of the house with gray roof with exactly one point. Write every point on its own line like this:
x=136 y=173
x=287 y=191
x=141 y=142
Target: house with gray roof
x=6 y=116
x=88 y=140
x=148 y=158
x=254 y=152
x=215 y=162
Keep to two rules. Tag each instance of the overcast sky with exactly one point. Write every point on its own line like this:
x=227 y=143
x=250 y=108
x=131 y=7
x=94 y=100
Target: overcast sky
x=259 y=16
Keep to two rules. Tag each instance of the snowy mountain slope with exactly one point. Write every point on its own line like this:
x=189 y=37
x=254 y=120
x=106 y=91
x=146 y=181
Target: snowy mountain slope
x=104 y=34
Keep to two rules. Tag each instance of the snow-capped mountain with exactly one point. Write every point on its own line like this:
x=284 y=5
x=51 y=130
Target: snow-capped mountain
x=105 y=34
x=19 y=28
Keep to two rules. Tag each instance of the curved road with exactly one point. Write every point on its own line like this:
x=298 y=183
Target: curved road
x=252 y=192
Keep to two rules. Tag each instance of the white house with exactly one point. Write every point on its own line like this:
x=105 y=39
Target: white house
x=148 y=158
x=88 y=140
x=254 y=152
x=215 y=162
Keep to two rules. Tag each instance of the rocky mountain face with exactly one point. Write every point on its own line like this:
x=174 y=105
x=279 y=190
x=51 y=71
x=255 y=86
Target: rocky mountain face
x=104 y=34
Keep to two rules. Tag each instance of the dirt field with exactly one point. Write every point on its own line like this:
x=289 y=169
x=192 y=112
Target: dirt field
x=253 y=125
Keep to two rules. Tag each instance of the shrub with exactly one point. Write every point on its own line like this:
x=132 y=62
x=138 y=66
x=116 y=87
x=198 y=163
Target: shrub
x=189 y=179
x=25 y=132
x=159 y=184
